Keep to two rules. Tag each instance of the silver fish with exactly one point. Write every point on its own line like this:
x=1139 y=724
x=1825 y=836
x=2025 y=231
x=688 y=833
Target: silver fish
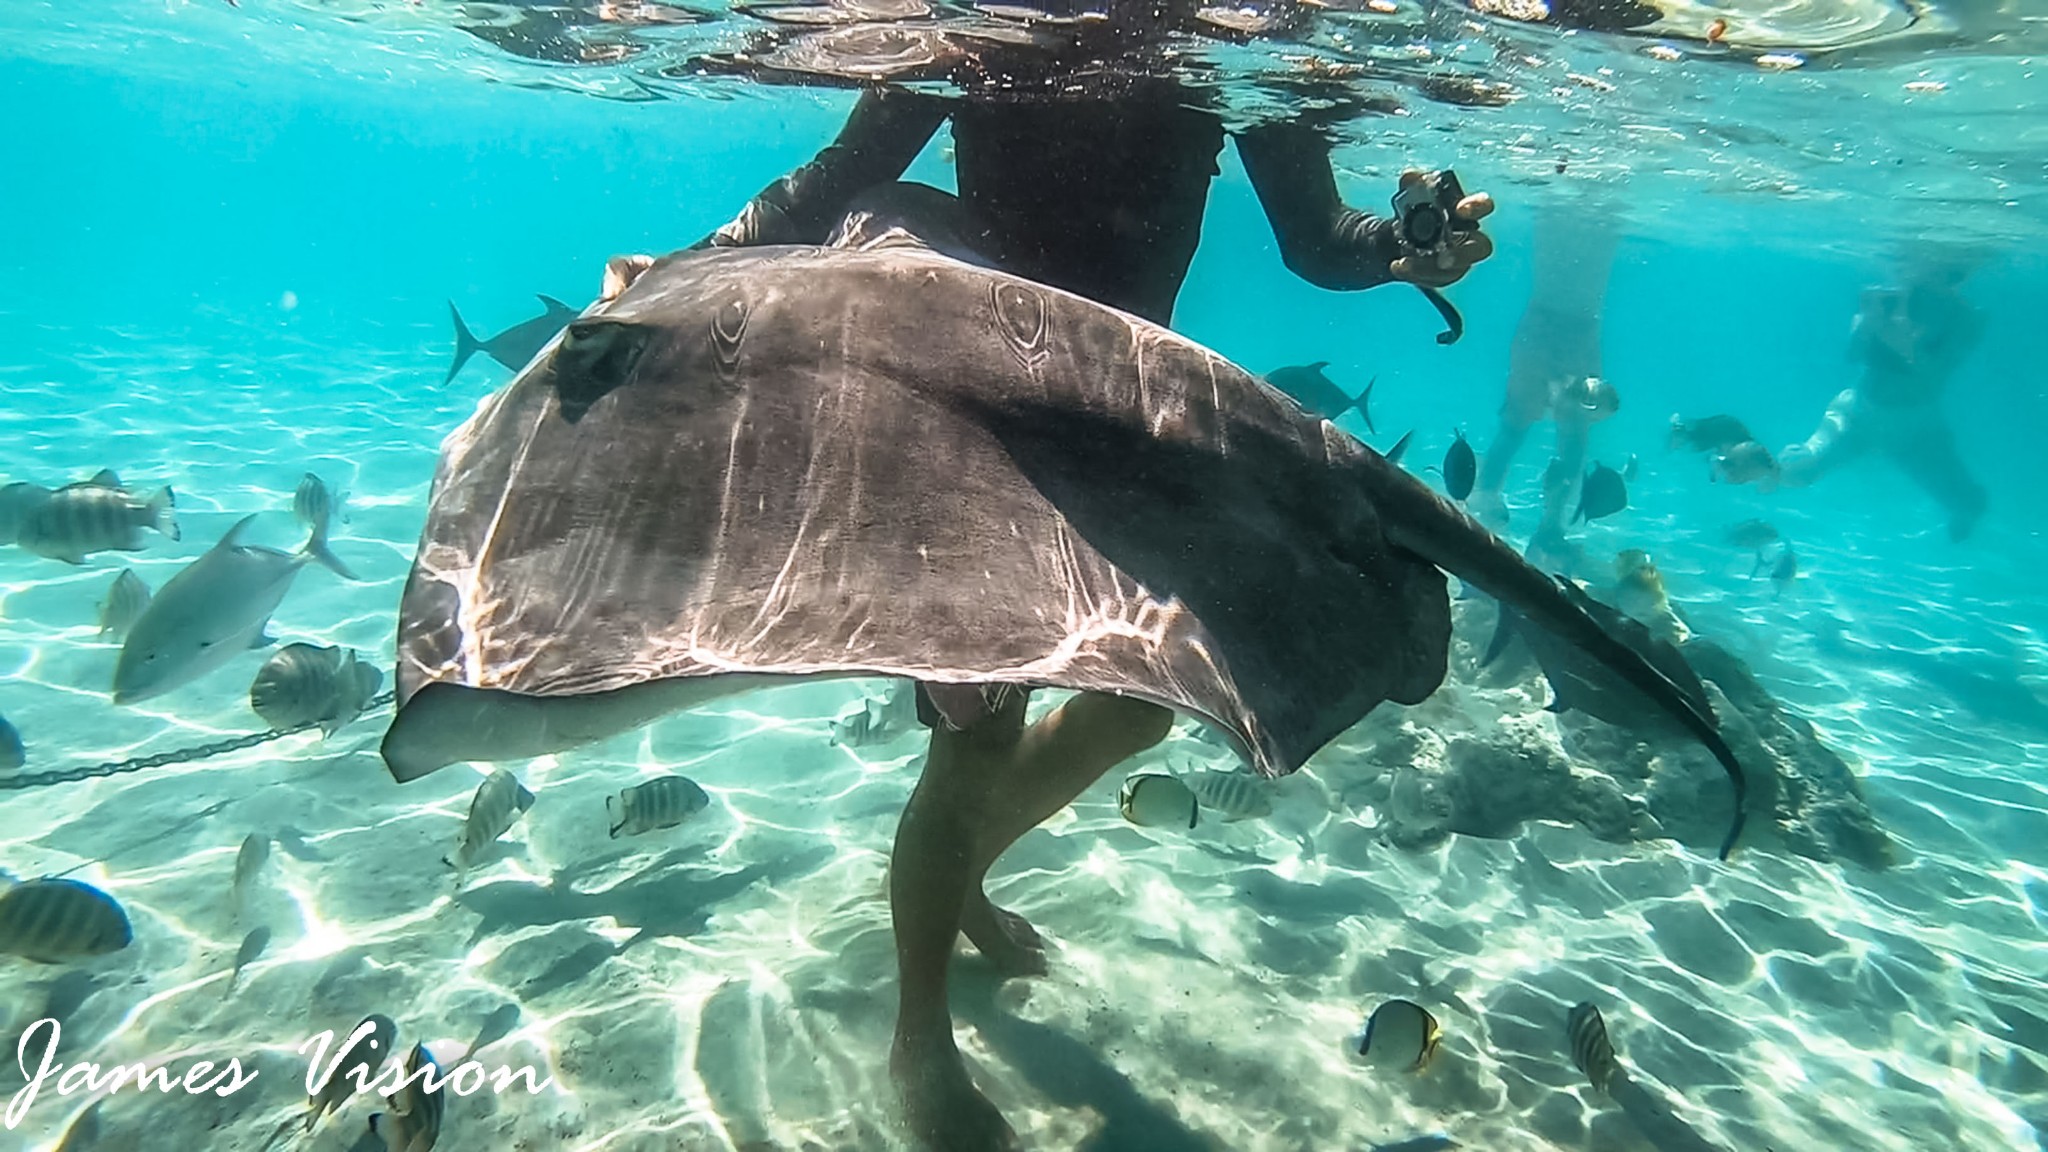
x=18 y=502
x=1319 y=395
x=1707 y=434
x=499 y=801
x=1745 y=463
x=57 y=920
x=308 y=684
x=13 y=753
x=252 y=947
x=414 y=1122
x=315 y=503
x=1231 y=795
x=124 y=605
x=1156 y=800
x=367 y=1055
x=663 y=802
x=515 y=346
x=249 y=861
x=96 y=515
x=212 y=610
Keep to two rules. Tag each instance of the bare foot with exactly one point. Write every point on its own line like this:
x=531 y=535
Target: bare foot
x=1006 y=940
x=945 y=1111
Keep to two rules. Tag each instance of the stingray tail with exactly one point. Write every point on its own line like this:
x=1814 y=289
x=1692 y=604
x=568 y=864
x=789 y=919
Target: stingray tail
x=1430 y=526
x=466 y=345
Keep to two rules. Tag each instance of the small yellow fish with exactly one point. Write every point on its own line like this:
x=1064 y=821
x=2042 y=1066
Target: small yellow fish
x=1157 y=800
x=1401 y=1035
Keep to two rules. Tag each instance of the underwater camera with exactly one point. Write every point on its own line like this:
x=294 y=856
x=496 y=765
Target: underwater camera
x=1425 y=216
x=1425 y=212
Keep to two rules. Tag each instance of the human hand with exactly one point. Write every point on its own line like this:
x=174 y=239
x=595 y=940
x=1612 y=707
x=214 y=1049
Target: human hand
x=1466 y=248
x=619 y=274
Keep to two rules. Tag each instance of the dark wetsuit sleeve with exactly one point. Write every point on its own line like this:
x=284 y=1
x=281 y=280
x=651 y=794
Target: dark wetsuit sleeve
x=1321 y=240
x=886 y=131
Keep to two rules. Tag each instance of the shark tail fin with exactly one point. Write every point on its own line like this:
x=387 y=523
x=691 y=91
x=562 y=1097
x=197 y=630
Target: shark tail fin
x=466 y=345
x=316 y=550
x=163 y=516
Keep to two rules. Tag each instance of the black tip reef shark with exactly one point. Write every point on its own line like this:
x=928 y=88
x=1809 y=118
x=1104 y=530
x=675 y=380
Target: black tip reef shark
x=874 y=459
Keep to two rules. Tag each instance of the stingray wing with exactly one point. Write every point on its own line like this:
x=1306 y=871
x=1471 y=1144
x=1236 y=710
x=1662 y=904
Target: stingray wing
x=815 y=461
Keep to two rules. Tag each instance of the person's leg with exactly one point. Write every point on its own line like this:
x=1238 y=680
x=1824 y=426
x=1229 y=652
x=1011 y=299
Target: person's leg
x=981 y=790
x=1059 y=758
x=1836 y=441
x=1558 y=336
x=1562 y=480
x=931 y=872
x=1925 y=450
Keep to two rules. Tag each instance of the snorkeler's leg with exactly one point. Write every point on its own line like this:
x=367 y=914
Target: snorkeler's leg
x=932 y=870
x=1558 y=336
x=1548 y=546
x=1494 y=462
x=1927 y=453
x=1057 y=760
x=1836 y=441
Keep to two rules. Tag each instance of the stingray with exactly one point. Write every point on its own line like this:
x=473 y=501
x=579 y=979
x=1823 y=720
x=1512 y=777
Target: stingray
x=875 y=458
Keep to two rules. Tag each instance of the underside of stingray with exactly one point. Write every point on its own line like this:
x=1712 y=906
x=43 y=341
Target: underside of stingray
x=876 y=459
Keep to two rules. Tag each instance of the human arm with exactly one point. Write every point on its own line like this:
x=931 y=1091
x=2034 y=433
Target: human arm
x=1333 y=246
x=884 y=133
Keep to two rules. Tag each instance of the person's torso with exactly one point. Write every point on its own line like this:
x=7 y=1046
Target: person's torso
x=1104 y=200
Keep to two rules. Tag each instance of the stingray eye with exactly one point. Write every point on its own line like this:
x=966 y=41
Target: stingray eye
x=205 y=644
x=596 y=356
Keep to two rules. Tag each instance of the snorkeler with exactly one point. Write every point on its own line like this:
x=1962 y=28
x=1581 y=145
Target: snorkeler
x=1910 y=339
x=1102 y=196
x=1554 y=367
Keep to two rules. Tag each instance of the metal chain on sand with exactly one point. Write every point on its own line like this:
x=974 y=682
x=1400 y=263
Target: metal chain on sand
x=18 y=781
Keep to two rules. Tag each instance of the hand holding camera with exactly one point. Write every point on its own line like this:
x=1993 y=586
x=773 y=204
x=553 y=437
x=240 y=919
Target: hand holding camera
x=1437 y=225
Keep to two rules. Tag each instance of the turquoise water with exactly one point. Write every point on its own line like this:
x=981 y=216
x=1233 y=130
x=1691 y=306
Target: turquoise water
x=231 y=235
